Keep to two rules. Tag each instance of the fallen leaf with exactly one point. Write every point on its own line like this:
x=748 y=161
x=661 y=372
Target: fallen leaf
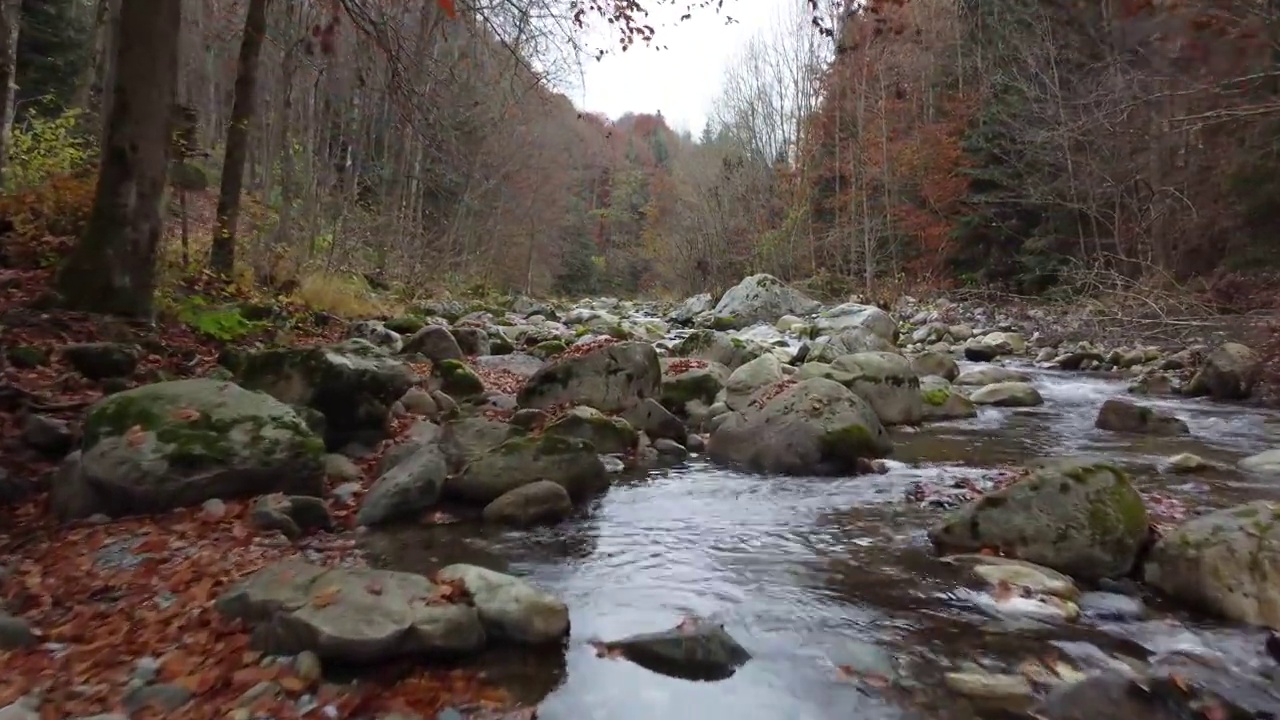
x=135 y=436
x=186 y=414
x=373 y=588
x=198 y=683
x=293 y=683
x=687 y=626
x=1004 y=591
x=326 y=597
x=605 y=650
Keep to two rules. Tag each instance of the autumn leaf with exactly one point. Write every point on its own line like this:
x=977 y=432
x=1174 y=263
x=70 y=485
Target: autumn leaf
x=373 y=588
x=326 y=597
x=449 y=8
x=186 y=415
x=135 y=436
x=1004 y=591
x=198 y=683
x=293 y=684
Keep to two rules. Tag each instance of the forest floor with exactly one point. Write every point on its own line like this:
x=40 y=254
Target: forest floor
x=115 y=602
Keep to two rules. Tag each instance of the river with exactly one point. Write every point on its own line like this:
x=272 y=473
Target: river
x=813 y=573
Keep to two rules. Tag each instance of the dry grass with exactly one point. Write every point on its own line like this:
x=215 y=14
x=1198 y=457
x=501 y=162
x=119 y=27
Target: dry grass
x=342 y=295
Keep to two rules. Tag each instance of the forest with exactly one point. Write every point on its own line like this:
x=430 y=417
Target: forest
x=887 y=146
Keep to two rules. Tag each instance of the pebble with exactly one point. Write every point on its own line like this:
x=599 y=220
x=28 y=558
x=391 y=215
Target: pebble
x=146 y=669
x=612 y=465
x=308 y=667
x=213 y=509
x=165 y=698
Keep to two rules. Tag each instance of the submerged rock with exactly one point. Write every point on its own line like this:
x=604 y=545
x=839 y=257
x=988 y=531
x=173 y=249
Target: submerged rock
x=693 y=650
x=1123 y=416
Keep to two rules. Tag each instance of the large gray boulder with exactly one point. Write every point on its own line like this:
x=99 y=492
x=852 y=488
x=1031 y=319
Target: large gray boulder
x=1229 y=373
x=510 y=608
x=1226 y=563
x=522 y=460
x=353 y=384
x=176 y=444
x=813 y=427
x=610 y=378
x=763 y=298
x=353 y=615
x=1076 y=515
x=851 y=316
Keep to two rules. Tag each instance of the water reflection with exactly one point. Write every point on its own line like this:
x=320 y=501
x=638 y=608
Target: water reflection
x=814 y=573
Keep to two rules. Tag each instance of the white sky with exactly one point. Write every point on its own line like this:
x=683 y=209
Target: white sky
x=681 y=81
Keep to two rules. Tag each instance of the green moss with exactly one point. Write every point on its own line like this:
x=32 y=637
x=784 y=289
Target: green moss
x=618 y=332
x=738 y=343
x=457 y=379
x=581 y=331
x=723 y=322
x=849 y=443
x=548 y=349
x=405 y=325
x=26 y=356
x=678 y=391
x=936 y=397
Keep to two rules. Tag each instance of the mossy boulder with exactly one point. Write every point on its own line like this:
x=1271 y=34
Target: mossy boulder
x=610 y=378
x=691 y=385
x=405 y=324
x=1007 y=394
x=749 y=378
x=886 y=381
x=719 y=347
x=548 y=349
x=607 y=434
x=571 y=462
x=179 y=443
x=1229 y=373
x=940 y=401
x=814 y=427
x=435 y=343
x=1226 y=563
x=935 y=363
x=354 y=384
x=762 y=298
x=1079 y=516
x=458 y=380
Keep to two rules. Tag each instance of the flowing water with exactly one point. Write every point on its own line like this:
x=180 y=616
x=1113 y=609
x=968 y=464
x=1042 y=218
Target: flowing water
x=811 y=573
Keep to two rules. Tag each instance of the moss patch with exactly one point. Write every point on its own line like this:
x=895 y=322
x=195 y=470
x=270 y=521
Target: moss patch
x=937 y=397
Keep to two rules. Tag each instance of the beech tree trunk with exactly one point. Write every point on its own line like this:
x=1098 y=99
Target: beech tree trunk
x=222 y=253
x=112 y=269
x=10 y=20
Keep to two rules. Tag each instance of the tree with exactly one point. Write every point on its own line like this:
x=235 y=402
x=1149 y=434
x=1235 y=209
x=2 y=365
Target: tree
x=222 y=254
x=10 y=20
x=112 y=268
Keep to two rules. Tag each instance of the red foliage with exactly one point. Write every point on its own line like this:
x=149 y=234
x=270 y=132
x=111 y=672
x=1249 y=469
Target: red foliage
x=680 y=366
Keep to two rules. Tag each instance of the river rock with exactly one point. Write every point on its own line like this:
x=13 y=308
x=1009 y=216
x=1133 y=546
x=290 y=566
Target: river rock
x=1266 y=463
x=1111 y=606
x=521 y=460
x=990 y=375
x=1229 y=373
x=1126 y=417
x=749 y=378
x=407 y=489
x=102 y=360
x=1226 y=562
x=468 y=437
x=1075 y=515
x=1019 y=573
x=976 y=350
x=654 y=420
x=887 y=382
x=691 y=308
x=1187 y=463
x=982 y=685
x=509 y=607
x=763 y=298
x=356 y=615
x=933 y=363
x=849 y=341
x=1176 y=686
x=610 y=378
x=684 y=384
x=609 y=435
x=353 y=384
x=178 y=444
x=716 y=347
x=541 y=501
x=940 y=401
x=1007 y=394
x=853 y=316
x=816 y=426
x=693 y=650
x=377 y=334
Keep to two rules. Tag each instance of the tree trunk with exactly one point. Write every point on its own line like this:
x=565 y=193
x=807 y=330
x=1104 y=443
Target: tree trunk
x=112 y=269
x=10 y=19
x=222 y=254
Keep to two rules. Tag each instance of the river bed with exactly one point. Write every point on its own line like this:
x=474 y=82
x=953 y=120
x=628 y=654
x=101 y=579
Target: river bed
x=814 y=573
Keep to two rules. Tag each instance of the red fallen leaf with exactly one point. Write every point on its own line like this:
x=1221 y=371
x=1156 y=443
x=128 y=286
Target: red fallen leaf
x=373 y=588
x=450 y=10
x=198 y=683
x=135 y=436
x=439 y=517
x=186 y=414
x=326 y=597
x=293 y=683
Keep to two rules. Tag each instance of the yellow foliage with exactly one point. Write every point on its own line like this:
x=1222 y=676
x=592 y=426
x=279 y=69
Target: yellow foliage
x=43 y=217
x=47 y=147
x=342 y=295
